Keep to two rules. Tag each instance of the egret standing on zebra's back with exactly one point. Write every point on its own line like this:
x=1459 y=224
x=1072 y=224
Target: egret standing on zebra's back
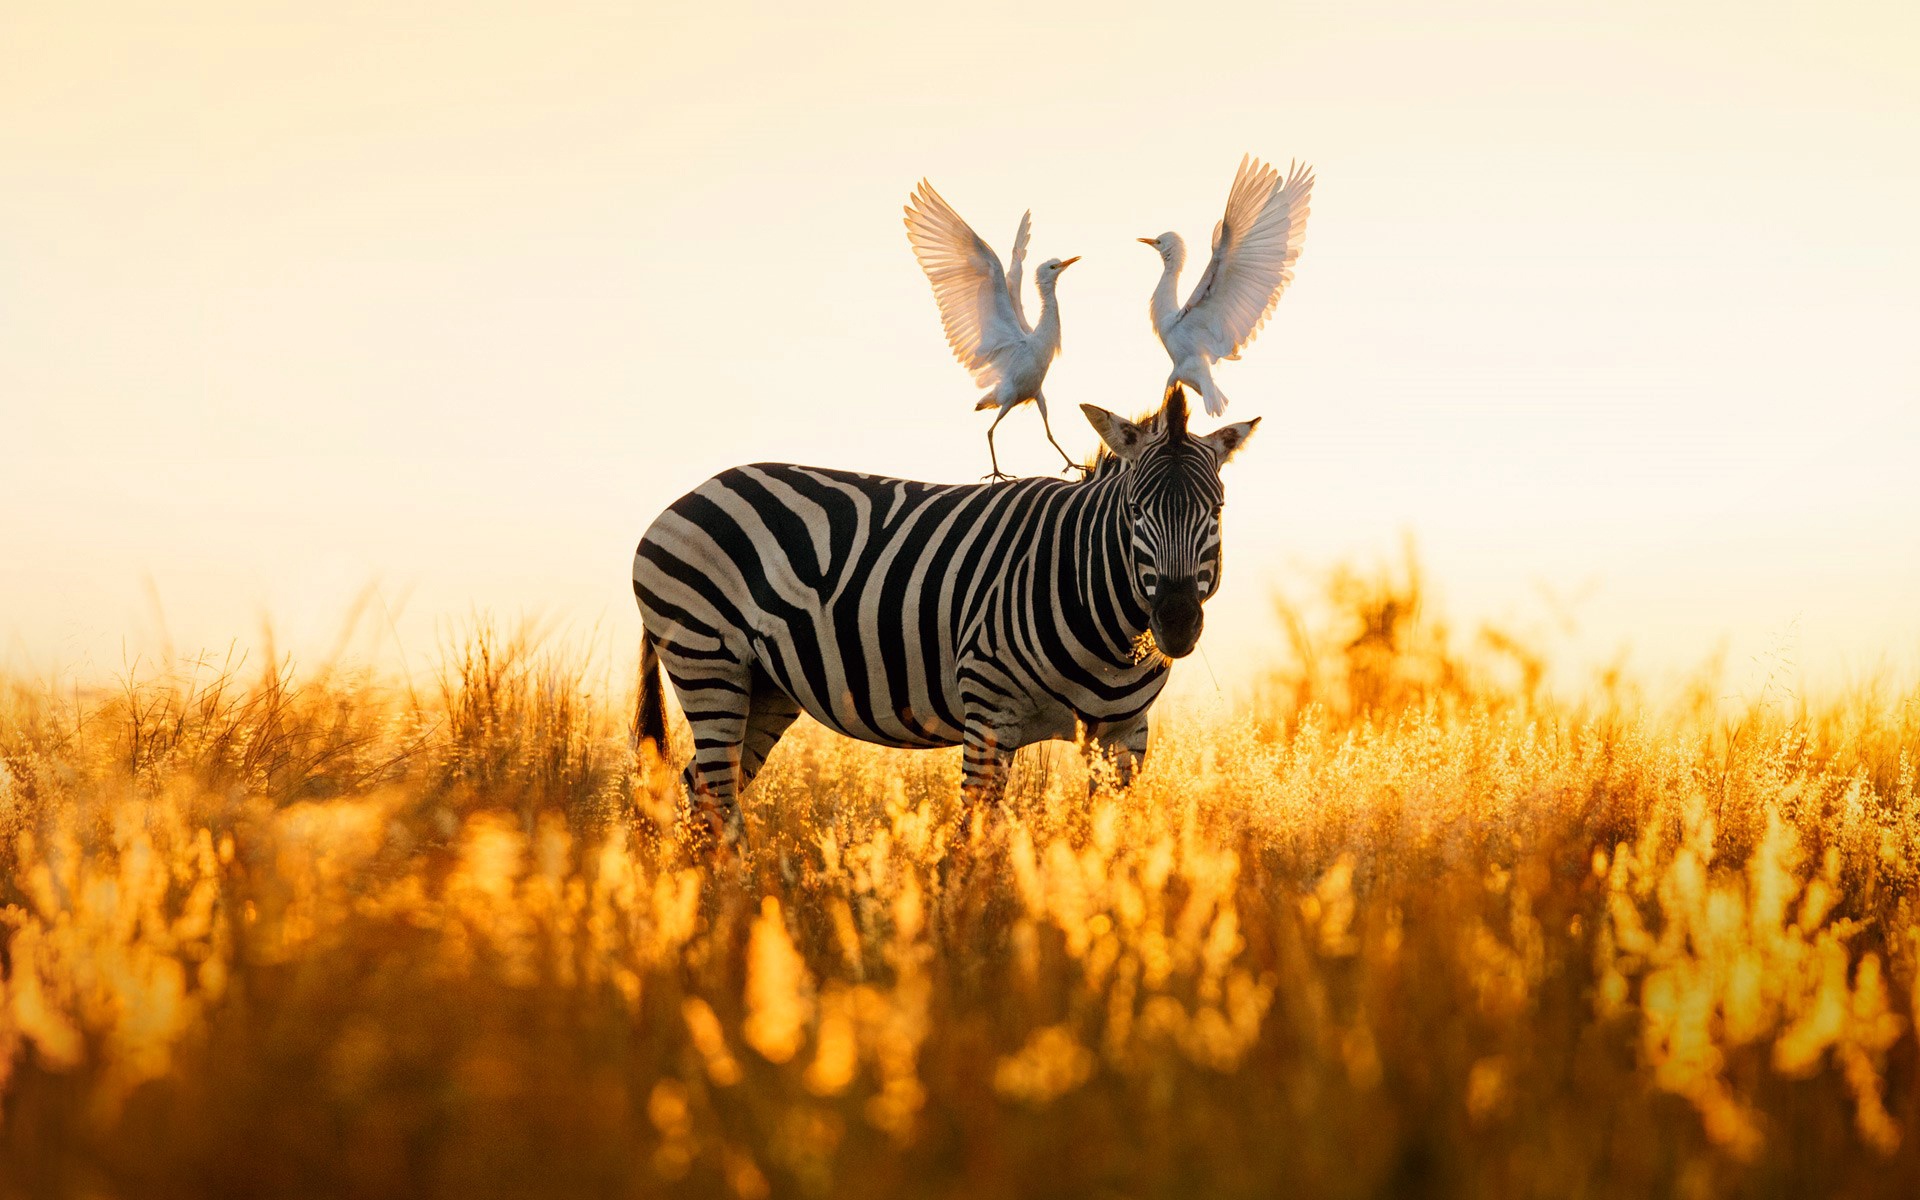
x=982 y=313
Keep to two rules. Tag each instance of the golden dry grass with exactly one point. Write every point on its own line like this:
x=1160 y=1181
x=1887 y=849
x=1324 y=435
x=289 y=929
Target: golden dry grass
x=1394 y=931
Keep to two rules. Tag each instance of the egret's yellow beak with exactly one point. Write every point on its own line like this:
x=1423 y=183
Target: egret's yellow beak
x=1067 y=262
x=1148 y=241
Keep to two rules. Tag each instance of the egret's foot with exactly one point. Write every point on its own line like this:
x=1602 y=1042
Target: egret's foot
x=1083 y=468
x=996 y=477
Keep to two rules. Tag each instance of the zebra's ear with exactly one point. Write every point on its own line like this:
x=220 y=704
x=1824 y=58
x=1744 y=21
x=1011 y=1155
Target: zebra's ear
x=1227 y=439
x=1122 y=436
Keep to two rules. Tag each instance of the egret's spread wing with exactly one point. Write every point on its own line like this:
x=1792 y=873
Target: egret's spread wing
x=968 y=284
x=1254 y=248
x=1014 y=262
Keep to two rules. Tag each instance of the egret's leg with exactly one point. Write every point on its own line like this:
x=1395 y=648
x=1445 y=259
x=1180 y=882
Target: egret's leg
x=992 y=454
x=1040 y=402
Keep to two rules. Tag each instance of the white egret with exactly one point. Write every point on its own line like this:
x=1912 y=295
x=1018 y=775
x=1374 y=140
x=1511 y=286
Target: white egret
x=981 y=311
x=1254 y=248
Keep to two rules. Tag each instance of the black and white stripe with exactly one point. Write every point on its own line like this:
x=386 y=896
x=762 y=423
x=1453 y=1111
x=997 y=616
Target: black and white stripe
x=915 y=614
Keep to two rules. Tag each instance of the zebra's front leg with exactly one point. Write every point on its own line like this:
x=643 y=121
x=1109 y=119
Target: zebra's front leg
x=1124 y=743
x=986 y=759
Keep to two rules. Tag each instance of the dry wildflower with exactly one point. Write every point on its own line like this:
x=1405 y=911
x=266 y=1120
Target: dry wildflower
x=703 y=1026
x=743 y=1175
x=1051 y=1064
x=1330 y=908
x=847 y=932
x=1361 y=1054
x=837 y=1051
x=435 y=928
x=1486 y=1088
x=779 y=988
x=38 y=1017
x=1822 y=1019
x=667 y=1108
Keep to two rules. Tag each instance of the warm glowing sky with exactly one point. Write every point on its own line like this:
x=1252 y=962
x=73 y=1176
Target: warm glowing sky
x=1619 y=299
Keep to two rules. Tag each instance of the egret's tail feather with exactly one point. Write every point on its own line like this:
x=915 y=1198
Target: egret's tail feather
x=986 y=402
x=1213 y=398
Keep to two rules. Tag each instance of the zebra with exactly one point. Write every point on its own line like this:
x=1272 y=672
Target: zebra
x=989 y=616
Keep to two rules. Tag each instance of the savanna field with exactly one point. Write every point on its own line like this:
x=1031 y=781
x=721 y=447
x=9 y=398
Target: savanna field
x=1407 y=922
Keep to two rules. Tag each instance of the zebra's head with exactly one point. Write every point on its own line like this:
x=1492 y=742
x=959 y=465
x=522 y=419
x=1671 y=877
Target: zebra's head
x=1170 y=499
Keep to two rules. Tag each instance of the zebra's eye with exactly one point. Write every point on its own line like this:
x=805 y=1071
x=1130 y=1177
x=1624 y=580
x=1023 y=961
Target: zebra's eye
x=1133 y=510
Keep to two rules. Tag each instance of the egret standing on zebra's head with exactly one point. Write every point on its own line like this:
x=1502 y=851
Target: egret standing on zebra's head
x=982 y=313
x=1254 y=248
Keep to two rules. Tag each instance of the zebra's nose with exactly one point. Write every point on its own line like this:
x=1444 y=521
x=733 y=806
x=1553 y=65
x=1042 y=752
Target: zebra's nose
x=1177 y=617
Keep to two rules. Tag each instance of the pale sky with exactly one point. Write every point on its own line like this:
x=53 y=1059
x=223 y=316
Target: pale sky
x=1613 y=300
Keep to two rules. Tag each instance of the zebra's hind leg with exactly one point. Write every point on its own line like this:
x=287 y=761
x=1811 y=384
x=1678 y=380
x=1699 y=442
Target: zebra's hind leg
x=716 y=696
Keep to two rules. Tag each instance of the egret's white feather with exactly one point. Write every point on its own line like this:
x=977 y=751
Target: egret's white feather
x=980 y=307
x=1255 y=247
x=1014 y=261
x=968 y=285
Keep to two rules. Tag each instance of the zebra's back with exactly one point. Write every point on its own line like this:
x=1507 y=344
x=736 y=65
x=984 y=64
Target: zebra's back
x=855 y=594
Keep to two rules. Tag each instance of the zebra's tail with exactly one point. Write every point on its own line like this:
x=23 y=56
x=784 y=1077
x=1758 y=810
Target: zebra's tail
x=650 y=719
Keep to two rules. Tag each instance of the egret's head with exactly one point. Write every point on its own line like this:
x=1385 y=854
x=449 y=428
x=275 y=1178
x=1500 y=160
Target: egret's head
x=1168 y=245
x=1171 y=498
x=1049 y=270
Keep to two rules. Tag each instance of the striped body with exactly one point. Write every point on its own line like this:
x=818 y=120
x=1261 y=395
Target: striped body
x=990 y=616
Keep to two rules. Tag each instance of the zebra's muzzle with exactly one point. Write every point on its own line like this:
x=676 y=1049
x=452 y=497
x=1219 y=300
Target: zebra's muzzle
x=1176 y=617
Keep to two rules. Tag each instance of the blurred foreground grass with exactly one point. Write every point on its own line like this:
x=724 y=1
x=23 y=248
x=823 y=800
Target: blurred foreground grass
x=1395 y=929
